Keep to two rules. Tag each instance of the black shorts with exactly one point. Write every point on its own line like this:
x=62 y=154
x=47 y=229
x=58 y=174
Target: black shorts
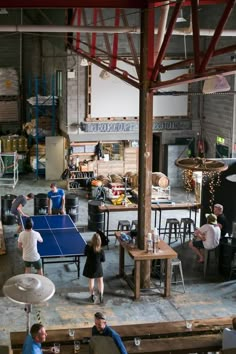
x=198 y=244
x=57 y=211
x=17 y=215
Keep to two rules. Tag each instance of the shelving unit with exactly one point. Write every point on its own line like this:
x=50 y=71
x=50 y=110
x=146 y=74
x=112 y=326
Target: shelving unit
x=42 y=108
x=6 y=180
x=159 y=193
x=78 y=177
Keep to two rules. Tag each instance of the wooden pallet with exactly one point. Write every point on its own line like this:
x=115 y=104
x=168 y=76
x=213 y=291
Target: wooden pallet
x=2 y=241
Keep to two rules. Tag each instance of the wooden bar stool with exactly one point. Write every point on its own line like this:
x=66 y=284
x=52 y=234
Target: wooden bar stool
x=207 y=254
x=185 y=227
x=172 y=224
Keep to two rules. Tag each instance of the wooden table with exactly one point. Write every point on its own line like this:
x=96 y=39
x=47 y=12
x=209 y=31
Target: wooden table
x=165 y=253
x=109 y=208
x=163 y=336
x=174 y=206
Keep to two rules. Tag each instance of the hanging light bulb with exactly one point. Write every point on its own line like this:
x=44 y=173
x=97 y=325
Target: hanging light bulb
x=181 y=18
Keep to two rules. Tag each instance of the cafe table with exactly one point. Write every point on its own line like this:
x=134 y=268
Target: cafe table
x=165 y=253
x=159 y=207
x=109 y=208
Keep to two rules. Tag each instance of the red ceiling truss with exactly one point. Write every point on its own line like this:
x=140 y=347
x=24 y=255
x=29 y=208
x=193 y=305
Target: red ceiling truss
x=108 y=56
x=108 y=60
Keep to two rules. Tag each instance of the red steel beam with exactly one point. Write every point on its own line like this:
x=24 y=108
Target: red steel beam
x=105 y=35
x=166 y=40
x=113 y=62
x=94 y=35
x=78 y=23
x=125 y=4
x=192 y=77
x=196 y=38
x=216 y=37
x=73 y=3
x=151 y=27
x=131 y=44
x=123 y=76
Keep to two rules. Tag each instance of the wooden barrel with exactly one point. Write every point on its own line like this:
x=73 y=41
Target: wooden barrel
x=160 y=179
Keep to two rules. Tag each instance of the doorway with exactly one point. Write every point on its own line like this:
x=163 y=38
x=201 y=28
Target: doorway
x=156 y=153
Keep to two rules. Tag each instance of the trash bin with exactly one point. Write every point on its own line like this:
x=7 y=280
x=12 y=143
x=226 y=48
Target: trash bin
x=7 y=217
x=40 y=204
x=72 y=206
x=95 y=217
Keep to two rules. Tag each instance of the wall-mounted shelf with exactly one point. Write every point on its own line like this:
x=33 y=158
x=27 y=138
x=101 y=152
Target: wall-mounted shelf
x=77 y=178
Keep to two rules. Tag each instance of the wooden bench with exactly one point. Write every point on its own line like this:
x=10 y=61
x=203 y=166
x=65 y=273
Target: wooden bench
x=205 y=334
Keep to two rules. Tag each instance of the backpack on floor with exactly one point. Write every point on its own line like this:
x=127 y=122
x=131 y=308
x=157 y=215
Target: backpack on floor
x=105 y=240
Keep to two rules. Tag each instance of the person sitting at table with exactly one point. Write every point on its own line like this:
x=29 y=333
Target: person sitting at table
x=206 y=237
x=93 y=266
x=221 y=219
x=33 y=341
x=229 y=336
x=101 y=329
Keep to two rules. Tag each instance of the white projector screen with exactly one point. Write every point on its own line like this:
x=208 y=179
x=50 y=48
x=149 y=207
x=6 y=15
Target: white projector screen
x=115 y=98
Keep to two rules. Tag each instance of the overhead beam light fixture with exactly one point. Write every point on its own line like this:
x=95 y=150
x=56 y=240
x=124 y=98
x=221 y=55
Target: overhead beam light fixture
x=215 y=84
x=84 y=62
x=104 y=75
x=181 y=18
x=3 y=11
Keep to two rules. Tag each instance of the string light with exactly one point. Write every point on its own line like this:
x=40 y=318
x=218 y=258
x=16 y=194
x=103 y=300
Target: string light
x=211 y=177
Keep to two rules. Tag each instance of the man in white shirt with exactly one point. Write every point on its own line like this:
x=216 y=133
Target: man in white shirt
x=229 y=337
x=27 y=241
x=207 y=236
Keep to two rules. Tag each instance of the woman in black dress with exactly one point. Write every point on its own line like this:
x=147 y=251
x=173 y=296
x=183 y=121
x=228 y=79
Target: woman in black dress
x=93 y=265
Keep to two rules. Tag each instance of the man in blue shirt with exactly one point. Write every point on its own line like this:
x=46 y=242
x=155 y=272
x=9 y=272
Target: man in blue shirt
x=229 y=336
x=33 y=341
x=101 y=329
x=56 y=200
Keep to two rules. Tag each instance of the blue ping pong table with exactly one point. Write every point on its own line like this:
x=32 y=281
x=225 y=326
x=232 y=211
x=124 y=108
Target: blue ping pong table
x=61 y=239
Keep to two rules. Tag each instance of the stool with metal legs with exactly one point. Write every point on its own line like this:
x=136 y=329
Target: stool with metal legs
x=176 y=262
x=186 y=224
x=172 y=224
x=176 y=267
x=135 y=224
x=207 y=254
x=123 y=225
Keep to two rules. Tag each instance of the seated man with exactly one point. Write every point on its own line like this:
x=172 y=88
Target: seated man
x=33 y=341
x=207 y=236
x=229 y=336
x=101 y=329
x=221 y=219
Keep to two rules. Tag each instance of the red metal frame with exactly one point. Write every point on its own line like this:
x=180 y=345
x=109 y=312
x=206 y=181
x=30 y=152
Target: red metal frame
x=125 y=4
x=115 y=41
x=95 y=55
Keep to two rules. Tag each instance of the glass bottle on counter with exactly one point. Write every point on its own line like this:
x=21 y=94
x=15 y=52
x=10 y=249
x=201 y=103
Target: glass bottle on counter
x=149 y=243
x=156 y=240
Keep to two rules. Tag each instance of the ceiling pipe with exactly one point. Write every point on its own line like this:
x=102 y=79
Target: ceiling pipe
x=66 y=29
x=161 y=27
x=105 y=29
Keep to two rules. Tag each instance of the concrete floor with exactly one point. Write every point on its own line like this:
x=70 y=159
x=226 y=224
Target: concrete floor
x=69 y=307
